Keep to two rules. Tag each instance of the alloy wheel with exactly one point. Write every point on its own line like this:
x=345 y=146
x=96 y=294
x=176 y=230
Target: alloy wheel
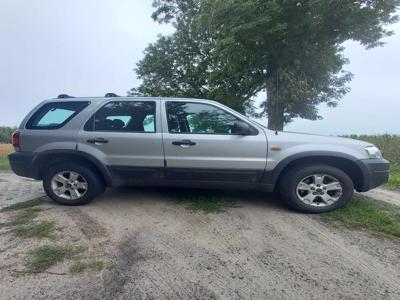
x=69 y=185
x=319 y=190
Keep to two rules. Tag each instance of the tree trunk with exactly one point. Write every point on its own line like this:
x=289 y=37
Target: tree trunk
x=275 y=106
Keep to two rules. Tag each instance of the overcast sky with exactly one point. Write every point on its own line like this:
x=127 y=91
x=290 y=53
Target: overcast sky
x=88 y=48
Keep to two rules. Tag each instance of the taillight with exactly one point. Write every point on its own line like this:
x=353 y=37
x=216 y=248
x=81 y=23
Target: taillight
x=15 y=139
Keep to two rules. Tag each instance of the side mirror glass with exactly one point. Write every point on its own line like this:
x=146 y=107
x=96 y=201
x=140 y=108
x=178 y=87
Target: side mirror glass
x=241 y=128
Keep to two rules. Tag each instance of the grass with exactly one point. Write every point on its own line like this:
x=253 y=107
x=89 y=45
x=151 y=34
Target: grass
x=5 y=149
x=111 y=264
x=380 y=219
x=42 y=229
x=98 y=265
x=24 y=226
x=24 y=216
x=205 y=201
x=4 y=164
x=43 y=257
x=77 y=266
x=23 y=205
x=390 y=146
x=394 y=177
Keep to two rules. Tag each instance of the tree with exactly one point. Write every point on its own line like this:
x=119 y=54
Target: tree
x=182 y=64
x=230 y=50
x=5 y=134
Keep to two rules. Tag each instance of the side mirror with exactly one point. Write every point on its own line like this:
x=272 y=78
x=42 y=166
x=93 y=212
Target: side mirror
x=241 y=128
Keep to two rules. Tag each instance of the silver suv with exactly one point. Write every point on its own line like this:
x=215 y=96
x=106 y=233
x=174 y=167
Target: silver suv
x=79 y=146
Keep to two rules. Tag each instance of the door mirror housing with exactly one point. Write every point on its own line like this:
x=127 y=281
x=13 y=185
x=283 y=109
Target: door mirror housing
x=241 y=128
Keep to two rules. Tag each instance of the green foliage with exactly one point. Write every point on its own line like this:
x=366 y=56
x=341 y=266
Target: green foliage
x=182 y=65
x=387 y=143
x=390 y=146
x=77 y=266
x=231 y=50
x=97 y=265
x=4 y=163
x=394 y=177
x=43 y=257
x=111 y=264
x=204 y=201
x=23 y=205
x=5 y=134
x=42 y=229
x=23 y=224
x=380 y=218
x=23 y=217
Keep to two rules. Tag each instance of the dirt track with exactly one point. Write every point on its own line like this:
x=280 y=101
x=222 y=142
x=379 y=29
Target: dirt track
x=258 y=250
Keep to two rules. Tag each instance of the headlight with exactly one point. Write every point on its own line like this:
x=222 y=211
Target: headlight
x=373 y=152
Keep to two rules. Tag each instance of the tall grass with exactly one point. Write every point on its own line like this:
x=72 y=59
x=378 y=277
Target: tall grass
x=5 y=149
x=387 y=143
x=390 y=146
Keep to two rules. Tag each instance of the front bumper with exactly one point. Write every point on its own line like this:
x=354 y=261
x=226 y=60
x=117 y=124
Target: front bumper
x=22 y=164
x=375 y=173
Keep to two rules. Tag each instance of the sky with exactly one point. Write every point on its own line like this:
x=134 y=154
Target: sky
x=89 y=48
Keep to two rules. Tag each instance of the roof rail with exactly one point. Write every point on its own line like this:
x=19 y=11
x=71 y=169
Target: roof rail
x=62 y=96
x=111 y=95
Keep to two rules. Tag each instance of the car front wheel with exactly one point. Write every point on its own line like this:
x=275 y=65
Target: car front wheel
x=316 y=188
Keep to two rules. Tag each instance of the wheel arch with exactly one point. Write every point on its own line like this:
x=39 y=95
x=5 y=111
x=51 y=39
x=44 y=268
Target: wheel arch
x=48 y=158
x=346 y=163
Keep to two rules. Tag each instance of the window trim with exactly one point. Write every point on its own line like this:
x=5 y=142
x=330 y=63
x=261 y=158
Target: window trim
x=121 y=131
x=254 y=129
x=37 y=113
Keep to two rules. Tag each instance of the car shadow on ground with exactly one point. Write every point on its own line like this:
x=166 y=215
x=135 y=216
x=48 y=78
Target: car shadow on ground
x=234 y=198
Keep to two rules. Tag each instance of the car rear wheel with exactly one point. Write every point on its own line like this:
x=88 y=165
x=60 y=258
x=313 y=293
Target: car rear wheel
x=316 y=188
x=72 y=184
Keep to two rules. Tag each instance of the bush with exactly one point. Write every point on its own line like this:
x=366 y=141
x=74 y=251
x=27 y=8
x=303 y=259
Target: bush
x=5 y=134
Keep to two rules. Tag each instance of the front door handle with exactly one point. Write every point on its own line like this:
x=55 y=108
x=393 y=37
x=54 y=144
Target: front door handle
x=97 y=141
x=184 y=143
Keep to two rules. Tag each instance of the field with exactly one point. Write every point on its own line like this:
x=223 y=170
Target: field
x=390 y=146
x=4 y=150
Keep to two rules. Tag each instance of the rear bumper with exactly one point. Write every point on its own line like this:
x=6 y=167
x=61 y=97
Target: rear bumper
x=375 y=171
x=22 y=164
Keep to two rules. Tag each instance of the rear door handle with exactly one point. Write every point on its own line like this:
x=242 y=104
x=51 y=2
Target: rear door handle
x=97 y=141
x=184 y=143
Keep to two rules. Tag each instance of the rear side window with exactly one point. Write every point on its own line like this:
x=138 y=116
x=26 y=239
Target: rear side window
x=55 y=114
x=124 y=116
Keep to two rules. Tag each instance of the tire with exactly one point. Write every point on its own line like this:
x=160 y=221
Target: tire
x=87 y=184
x=300 y=190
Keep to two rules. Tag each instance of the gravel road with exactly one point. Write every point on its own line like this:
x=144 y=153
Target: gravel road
x=256 y=250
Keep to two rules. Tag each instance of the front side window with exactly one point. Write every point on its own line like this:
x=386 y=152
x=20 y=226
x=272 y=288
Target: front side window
x=55 y=114
x=129 y=116
x=190 y=117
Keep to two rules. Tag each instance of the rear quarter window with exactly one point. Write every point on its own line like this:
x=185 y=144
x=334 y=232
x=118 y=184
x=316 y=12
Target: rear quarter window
x=55 y=114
